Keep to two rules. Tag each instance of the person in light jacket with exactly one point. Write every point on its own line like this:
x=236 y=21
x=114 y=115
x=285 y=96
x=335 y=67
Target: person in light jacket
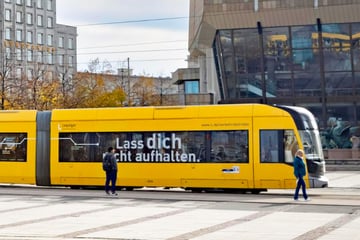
x=300 y=172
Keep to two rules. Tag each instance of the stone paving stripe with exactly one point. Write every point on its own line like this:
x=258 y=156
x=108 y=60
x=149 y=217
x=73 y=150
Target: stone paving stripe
x=329 y=227
x=23 y=208
x=218 y=227
x=227 y=224
x=122 y=224
x=31 y=221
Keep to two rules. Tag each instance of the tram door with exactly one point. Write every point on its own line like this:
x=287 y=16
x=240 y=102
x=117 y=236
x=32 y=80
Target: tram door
x=274 y=148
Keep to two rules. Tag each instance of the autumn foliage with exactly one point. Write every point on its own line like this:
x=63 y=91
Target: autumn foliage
x=100 y=87
x=84 y=90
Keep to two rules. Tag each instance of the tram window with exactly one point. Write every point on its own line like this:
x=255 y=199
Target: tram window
x=174 y=147
x=291 y=145
x=229 y=146
x=13 y=147
x=79 y=147
x=133 y=147
x=272 y=146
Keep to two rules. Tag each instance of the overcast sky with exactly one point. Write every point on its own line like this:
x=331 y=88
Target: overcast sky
x=152 y=34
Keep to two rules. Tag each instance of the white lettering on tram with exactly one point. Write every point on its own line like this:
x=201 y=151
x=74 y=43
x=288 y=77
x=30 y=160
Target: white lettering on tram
x=159 y=148
x=172 y=156
x=125 y=156
x=157 y=141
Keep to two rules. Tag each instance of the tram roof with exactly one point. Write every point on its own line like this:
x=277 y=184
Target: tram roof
x=18 y=115
x=168 y=112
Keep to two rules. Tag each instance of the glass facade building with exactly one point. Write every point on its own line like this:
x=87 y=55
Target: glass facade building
x=304 y=65
x=304 y=53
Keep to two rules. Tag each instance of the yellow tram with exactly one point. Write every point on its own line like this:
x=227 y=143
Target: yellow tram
x=243 y=146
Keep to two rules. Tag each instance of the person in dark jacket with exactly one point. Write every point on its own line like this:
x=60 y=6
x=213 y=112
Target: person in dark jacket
x=300 y=172
x=111 y=173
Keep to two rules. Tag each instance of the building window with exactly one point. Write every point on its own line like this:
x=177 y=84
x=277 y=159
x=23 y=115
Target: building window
x=8 y=33
x=239 y=54
x=29 y=3
x=71 y=61
x=19 y=35
x=40 y=20
x=191 y=87
x=61 y=60
x=49 y=22
x=29 y=37
x=70 y=43
x=19 y=2
x=50 y=58
x=8 y=53
x=39 y=57
x=50 y=5
x=18 y=54
x=29 y=18
x=7 y=15
x=39 y=4
x=50 y=40
x=29 y=55
x=61 y=42
x=19 y=17
x=40 y=37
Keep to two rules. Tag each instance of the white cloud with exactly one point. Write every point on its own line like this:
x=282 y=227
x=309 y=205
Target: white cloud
x=143 y=42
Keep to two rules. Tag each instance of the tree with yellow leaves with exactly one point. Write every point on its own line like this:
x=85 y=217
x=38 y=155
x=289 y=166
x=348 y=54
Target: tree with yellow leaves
x=144 y=92
x=96 y=90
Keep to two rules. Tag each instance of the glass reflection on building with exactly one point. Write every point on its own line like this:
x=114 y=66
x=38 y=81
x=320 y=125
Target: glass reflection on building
x=316 y=66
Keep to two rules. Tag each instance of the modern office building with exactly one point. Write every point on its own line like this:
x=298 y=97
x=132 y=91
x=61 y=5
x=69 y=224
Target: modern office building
x=32 y=43
x=304 y=53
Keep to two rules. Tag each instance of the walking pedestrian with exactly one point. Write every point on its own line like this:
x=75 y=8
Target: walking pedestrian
x=300 y=172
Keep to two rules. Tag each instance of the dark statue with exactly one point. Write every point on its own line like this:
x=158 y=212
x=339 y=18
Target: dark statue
x=339 y=134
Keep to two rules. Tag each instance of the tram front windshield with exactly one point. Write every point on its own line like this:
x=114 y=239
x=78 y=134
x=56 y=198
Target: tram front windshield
x=312 y=144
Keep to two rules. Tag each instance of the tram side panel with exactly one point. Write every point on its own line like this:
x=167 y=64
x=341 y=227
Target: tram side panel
x=80 y=137
x=143 y=138
x=174 y=153
x=228 y=153
x=72 y=140
x=17 y=146
x=276 y=140
x=220 y=147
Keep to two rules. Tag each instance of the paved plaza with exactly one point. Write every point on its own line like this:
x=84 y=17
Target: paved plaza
x=41 y=214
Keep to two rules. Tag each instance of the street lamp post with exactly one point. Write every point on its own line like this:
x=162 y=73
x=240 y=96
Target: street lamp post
x=128 y=75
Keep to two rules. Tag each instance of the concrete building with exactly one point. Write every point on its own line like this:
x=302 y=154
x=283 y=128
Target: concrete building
x=32 y=43
x=188 y=88
x=304 y=53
